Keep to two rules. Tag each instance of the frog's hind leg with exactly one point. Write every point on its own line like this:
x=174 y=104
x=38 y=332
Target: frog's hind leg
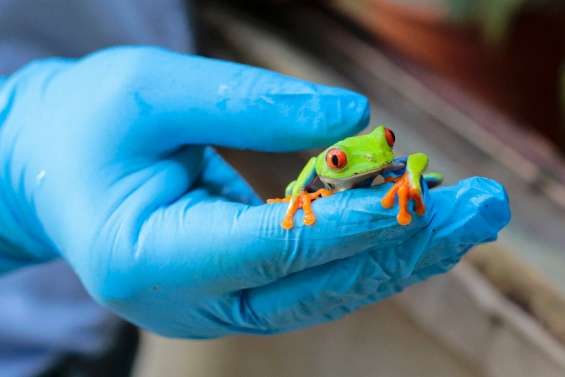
x=403 y=189
x=407 y=188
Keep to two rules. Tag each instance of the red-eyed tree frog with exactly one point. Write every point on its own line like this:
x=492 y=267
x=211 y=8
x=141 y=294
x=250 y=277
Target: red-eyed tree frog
x=360 y=161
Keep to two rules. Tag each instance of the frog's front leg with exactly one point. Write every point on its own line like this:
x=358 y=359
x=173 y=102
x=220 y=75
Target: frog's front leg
x=408 y=188
x=303 y=200
x=297 y=196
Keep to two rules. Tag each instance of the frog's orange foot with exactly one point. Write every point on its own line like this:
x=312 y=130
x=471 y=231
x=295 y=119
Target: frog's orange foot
x=303 y=200
x=406 y=192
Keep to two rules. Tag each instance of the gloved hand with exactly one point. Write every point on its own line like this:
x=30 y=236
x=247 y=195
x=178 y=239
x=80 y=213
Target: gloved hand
x=102 y=163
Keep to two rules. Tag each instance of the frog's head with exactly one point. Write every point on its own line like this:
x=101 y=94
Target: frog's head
x=361 y=155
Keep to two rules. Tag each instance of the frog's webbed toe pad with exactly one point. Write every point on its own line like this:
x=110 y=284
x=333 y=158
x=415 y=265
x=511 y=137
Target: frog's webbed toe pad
x=287 y=223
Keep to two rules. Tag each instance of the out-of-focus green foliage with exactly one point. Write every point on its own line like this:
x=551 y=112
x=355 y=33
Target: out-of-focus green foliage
x=494 y=16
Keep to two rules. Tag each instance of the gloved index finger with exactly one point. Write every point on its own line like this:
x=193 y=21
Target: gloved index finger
x=195 y=100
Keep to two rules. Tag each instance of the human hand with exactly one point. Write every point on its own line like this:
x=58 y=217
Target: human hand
x=104 y=163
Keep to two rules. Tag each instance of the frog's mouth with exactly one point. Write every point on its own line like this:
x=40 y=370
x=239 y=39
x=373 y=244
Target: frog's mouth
x=367 y=179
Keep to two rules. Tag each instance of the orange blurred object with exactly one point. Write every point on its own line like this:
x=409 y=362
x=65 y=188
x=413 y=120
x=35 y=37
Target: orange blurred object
x=519 y=76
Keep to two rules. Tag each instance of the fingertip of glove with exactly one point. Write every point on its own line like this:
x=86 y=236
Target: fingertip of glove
x=477 y=206
x=323 y=114
x=491 y=200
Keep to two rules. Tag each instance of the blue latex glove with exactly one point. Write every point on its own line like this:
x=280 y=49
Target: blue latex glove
x=100 y=164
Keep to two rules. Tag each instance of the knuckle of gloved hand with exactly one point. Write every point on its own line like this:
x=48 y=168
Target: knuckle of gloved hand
x=124 y=74
x=113 y=284
x=112 y=291
x=245 y=316
x=43 y=66
x=393 y=263
x=422 y=274
x=125 y=58
x=349 y=109
x=34 y=75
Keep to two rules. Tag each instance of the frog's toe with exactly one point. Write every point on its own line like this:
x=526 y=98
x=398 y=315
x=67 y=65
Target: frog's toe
x=287 y=223
x=404 y=217
x=279 y=200
x=309 y=219
x=419 y=206
x=306 y=202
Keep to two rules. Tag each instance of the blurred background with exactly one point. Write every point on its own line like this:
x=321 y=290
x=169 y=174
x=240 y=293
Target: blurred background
x=480 y=86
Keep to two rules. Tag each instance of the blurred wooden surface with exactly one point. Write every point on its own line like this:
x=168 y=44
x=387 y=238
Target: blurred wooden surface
x=380 y=341
x=452 y=325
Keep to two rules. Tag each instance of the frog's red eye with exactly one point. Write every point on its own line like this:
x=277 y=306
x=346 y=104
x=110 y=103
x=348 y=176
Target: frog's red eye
x=390 y=137
x=336 y=158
